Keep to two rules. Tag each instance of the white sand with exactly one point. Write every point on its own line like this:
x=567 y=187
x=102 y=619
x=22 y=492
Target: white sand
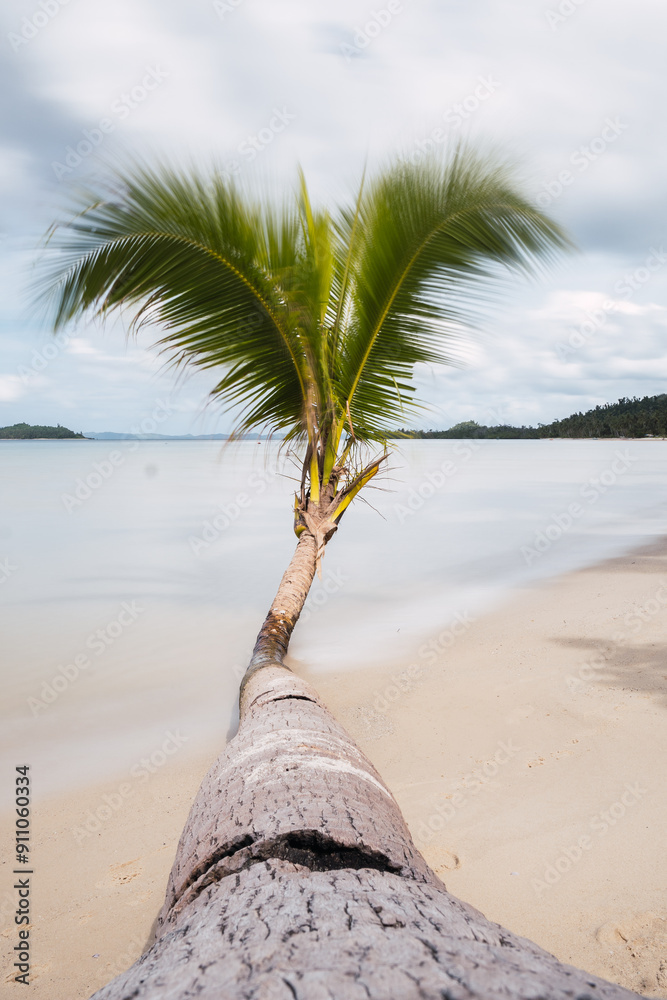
x=528 y=758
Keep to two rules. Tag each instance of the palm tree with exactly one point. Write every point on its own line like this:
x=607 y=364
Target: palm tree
x=313 y=323
x=296 y=875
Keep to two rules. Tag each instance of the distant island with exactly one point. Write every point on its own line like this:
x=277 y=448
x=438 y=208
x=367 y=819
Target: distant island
x=115 y=436
x=26 y=432
x=628 y=418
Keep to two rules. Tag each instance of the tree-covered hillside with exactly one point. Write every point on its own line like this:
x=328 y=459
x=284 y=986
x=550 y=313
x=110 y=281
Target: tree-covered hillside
x=645 y=417
x=24 y=432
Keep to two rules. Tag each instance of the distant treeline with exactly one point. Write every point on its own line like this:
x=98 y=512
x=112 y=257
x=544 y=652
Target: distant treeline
x=627 y=418
x=26 y=431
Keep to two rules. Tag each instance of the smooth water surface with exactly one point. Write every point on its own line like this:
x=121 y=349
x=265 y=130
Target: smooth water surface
x=135 y=575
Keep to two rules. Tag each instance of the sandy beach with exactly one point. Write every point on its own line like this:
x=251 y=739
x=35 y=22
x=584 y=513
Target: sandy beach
x=526 y=748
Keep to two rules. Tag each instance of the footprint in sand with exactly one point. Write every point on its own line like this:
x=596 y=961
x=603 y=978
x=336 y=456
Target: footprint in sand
x=638 y=944
x=36 y=972
x=368 y=724
x=441 y=860
x=123 y=873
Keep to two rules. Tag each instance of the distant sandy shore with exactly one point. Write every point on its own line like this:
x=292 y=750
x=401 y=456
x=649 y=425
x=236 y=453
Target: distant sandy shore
x=527 y=750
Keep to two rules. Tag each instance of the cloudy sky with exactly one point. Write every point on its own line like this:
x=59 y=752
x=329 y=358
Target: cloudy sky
x=574 y=91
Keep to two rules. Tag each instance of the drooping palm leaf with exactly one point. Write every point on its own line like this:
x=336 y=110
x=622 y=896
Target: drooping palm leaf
x=433 y=242
x=192 y=259
x=314 y=323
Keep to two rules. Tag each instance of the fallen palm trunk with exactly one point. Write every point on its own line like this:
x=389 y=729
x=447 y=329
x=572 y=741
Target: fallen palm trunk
x=296 y=877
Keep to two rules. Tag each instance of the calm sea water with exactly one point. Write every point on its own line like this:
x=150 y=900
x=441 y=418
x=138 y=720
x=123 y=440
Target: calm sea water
x=134 y=576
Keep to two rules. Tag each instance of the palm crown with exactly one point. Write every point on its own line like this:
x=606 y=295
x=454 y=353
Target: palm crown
x=313 y=321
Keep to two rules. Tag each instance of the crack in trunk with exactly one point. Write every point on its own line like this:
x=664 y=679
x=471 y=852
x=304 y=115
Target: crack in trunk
x=296 y=860
x=306 y=848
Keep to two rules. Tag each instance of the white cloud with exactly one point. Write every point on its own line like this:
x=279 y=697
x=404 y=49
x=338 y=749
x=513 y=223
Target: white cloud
x=555 y=89
x=11 y=388
x=77 y=345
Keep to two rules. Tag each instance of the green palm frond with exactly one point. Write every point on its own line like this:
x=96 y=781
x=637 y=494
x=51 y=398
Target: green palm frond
x=434 y=242
x=313 y=322
x=192 y=259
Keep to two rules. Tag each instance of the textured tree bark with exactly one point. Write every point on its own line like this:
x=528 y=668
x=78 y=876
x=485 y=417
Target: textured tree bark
x=296 y=877
x=276 y=632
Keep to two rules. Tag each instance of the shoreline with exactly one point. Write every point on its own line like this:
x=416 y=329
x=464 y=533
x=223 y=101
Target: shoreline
x=175 y=437
x=526 y=752
x=528 y=761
